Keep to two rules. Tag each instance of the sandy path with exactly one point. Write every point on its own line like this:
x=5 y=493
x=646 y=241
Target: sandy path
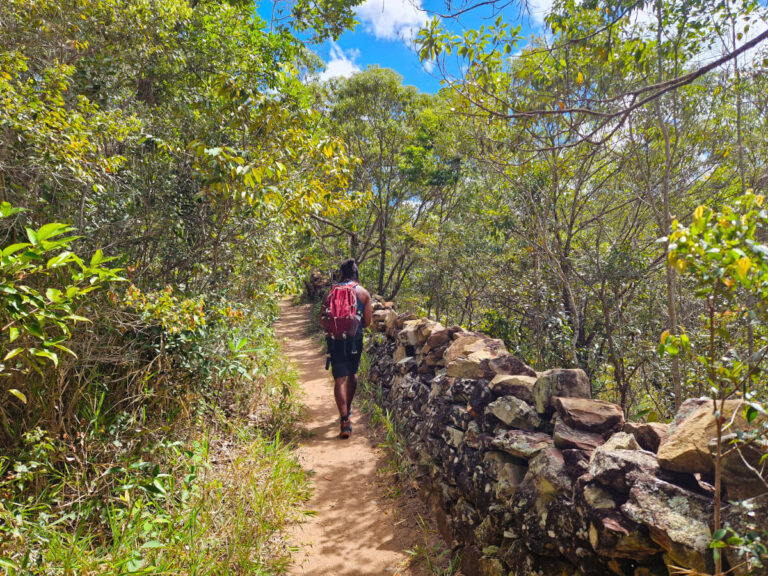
x=357 y=529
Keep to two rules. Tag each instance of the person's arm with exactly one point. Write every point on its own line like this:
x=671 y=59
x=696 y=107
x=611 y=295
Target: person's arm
x=365 y=297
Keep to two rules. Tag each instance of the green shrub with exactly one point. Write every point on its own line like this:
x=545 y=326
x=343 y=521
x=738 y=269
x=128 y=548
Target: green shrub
x=43 y=286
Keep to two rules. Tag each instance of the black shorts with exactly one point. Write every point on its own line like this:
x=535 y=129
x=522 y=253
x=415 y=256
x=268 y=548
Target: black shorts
x=345 y=356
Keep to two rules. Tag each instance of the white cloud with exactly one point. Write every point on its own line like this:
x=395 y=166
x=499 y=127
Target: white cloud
x=392 y=19
x=428 y=66
x=714 y=47
x=341 y=63
x=539 y=9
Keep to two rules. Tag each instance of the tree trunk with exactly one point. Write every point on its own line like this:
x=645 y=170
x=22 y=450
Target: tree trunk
x=382 y=257
x=671 y=277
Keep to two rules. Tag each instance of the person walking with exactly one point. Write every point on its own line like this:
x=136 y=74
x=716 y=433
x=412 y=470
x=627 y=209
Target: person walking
x=347 y=310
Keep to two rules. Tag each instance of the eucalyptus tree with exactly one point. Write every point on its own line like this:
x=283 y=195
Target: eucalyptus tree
x=406 y=170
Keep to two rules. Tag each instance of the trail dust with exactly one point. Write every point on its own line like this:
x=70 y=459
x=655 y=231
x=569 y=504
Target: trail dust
x=357 y=528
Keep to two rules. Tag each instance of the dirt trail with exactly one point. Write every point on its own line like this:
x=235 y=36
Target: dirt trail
x=357 y=530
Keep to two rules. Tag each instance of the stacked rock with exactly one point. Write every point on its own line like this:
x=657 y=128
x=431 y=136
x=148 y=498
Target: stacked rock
x=529 y=475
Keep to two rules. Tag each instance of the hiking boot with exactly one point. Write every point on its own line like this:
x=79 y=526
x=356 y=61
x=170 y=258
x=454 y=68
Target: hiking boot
x=346 y=428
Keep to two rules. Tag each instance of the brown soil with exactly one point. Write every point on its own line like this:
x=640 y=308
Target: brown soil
x=359 y=527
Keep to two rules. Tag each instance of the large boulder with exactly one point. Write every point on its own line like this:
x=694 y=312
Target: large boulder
x=685 y=448
x=514 y=412
x=678 y=520
x=571 y=383
x=742 y=466
x=595 y=416
x=518 y=386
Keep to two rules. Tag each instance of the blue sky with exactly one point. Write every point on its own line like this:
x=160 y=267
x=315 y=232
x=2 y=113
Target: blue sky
x=384 y=35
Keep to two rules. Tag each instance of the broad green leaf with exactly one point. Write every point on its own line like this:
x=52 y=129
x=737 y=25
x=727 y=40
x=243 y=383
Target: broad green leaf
x=52 y=356
x=35 y=329
x=750 y=413
x=65 y=349
x=60 y=259
x=52 y=229
x=134 y=564
x=6 y=209
x=53 y=294
x=13 y=248
x=97 y=258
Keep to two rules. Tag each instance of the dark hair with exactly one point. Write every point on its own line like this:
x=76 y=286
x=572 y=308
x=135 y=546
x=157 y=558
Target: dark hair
x=348 y=270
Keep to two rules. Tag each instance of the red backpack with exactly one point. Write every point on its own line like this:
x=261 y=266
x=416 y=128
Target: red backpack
x=339 y=317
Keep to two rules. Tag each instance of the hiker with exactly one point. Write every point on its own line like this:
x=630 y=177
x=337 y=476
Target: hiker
x=346 y=312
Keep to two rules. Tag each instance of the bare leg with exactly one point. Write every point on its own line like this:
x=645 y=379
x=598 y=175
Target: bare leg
x=340 y=394
x=351 y=388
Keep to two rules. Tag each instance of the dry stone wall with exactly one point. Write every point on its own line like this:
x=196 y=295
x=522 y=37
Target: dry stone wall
x=528 y=475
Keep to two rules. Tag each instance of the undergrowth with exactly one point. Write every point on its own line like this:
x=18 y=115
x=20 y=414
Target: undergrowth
x=176 y=461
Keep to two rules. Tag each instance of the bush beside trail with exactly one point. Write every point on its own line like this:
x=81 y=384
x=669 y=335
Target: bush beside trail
x=152 y=436
x=175 y=456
